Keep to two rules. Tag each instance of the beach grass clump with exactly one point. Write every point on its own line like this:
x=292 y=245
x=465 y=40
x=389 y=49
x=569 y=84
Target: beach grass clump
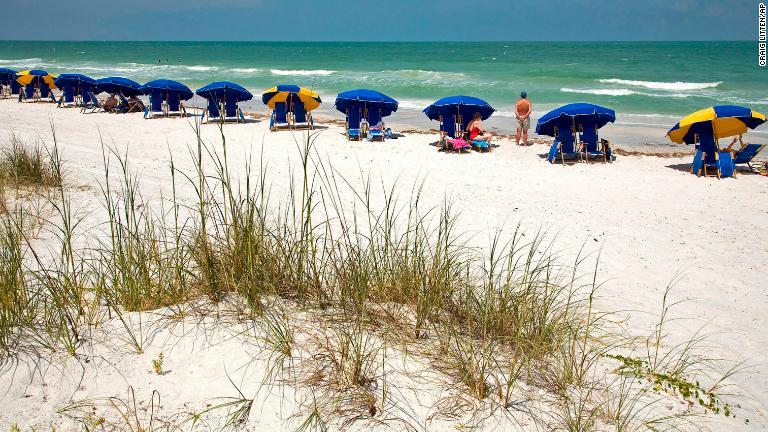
x=25 y=164
x=14 y=295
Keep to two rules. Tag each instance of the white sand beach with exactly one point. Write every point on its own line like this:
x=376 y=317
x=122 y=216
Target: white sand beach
x=650 y=221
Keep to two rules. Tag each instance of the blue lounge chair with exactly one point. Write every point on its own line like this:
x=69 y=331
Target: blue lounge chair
x=279 y=117
x=67 y=97
x=91 y=103
x=746 y=154
x=352 y=125
x=213 y=112
x=232 y=111
x=592 y=146
x=447 y=130
x=174 y=105
x=155 y=107
x=301 y=118
x=564 y=147
x=29 y=92
x=373 y=117
x=708 y=157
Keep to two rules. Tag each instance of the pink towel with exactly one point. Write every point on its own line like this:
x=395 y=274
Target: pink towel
x=459 y=143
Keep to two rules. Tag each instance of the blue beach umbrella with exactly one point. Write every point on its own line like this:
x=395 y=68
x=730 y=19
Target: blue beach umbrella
x=576 y=114
x=73 y=79
x=222 y=90
x=123 y=86
x=466 y=106
x=367 y=100
x=169 y=87
x=8 y=78
x=7 y=75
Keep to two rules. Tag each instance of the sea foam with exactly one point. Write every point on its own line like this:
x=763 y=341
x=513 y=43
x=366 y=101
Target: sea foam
x=623 y=92
x=320 y=72
x=654 y=85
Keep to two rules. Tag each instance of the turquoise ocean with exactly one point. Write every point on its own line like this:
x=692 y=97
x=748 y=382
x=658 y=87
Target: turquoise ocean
x=647 y=83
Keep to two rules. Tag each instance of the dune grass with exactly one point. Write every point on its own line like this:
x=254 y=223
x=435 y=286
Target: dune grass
x=493 y=321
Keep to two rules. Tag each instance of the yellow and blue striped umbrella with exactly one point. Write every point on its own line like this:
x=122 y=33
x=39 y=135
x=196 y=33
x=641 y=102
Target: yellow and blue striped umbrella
x=27 y=77
x=287 y=93
x=718 y=121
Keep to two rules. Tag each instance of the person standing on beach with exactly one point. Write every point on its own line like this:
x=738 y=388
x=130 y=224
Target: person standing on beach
x=523 y=110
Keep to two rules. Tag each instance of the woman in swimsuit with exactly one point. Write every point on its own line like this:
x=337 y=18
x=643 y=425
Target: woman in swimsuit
x=476 y=130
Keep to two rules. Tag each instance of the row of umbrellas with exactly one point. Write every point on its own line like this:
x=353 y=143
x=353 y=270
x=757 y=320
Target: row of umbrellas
x=718 y=121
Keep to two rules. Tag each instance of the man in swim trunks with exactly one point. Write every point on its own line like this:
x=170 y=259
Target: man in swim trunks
x=523 y=110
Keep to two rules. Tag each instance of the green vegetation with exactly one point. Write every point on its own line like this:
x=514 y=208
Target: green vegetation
x=377 y=274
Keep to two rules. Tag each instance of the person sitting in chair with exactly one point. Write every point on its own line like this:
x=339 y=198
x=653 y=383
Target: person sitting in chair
x=111 y=103
x=476 y=130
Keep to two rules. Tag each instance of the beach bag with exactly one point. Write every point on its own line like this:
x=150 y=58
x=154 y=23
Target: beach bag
x=482 y=145
x=388 y=133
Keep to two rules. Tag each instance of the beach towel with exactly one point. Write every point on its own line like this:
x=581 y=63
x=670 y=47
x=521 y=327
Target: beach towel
x=459 y=144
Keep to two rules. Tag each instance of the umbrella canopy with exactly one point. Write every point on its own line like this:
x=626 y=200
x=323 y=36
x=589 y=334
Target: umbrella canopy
x=575 y=113
x=168 y=86
x=366 y=99
x=222 y=89
x=73 y=79
x=289 y=92
x=123 y=86
x=35 y=76
x=6 y=75
x=719 y=121
x=467 y=106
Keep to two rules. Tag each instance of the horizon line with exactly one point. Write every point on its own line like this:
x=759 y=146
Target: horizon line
x=375 y=41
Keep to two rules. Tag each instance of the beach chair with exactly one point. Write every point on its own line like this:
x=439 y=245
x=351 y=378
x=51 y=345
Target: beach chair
x=352 y=125
x=709 y=160
x=213 y=111
x=564 y=147
x=447 y=131
x=373 y=117
x=232 y=111
x=123 y=106
x=28 y=94
x=746 y=154
x=302 y=119
x=592 y=146
x=279 y=117
x=91 y=103
x=155 y=107
x=174 y=106
x=67 y=97
x=46 y=94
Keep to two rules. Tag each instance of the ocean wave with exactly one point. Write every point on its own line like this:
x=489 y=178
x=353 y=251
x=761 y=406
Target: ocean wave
x=33 y=60
x=603 y=92
x=200 y=68
x=321 y=72
x=420 y=73
x=622 y=92
x=654 y=85
x=245 y=70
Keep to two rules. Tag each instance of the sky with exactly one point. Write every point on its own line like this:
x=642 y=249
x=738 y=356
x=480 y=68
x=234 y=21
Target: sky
x=383 y=20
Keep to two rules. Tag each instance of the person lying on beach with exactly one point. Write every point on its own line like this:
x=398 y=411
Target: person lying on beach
x=110 y=103
x=476 y=130
x=523 y=110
